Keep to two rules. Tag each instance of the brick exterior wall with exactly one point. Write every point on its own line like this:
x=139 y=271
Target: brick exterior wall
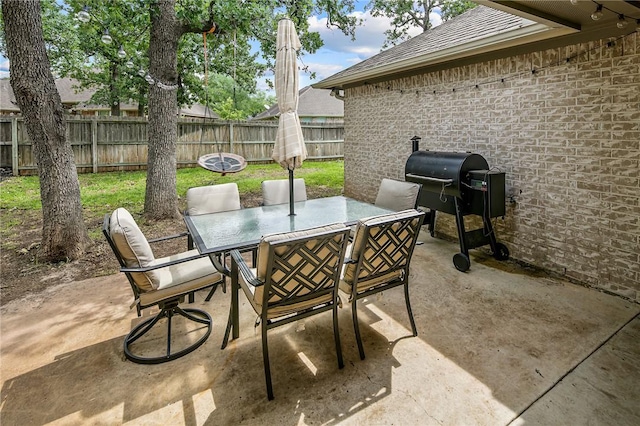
x=567 y=136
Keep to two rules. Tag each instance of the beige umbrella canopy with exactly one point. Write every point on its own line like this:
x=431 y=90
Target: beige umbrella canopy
x=289 y=150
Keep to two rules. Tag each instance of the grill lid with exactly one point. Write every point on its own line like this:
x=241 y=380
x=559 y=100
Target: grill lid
x=442 y=172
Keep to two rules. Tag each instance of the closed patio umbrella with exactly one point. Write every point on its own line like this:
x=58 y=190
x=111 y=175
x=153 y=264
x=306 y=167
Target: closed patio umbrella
x=289 y=149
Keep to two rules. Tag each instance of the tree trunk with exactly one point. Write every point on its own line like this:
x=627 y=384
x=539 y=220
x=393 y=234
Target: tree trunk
x=161 y=198
x=114 y=99
x=64 y=235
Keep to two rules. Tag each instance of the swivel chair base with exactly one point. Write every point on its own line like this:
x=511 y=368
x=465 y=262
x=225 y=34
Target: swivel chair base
x=167 y=311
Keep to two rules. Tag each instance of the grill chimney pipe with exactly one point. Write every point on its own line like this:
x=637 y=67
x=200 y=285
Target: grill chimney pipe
x=415 y=143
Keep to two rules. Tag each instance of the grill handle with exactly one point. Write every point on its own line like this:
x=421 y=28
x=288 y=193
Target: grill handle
x=430 y=179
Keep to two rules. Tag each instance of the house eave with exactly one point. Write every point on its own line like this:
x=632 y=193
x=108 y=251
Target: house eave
x=499 y=40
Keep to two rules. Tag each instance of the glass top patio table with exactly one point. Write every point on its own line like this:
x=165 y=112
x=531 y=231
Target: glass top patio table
x=241 y=229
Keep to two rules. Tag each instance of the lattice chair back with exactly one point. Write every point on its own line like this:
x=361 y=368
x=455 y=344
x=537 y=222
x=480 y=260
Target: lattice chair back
x=299 y=269
x=383 y=247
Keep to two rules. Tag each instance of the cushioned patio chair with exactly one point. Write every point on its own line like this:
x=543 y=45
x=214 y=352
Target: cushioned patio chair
x=212 y=199
x=158 y=282
x=277 y=191
x=296 y=276
x=395 y=195
x=378 y=259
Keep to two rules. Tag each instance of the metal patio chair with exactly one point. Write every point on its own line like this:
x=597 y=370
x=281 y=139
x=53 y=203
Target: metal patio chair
x=396 y=195
x=379 y=258
x=158 y=282
x=212 y=199
x=297 y=276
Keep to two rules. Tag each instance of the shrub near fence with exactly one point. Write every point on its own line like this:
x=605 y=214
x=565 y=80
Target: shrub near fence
x=120 y=143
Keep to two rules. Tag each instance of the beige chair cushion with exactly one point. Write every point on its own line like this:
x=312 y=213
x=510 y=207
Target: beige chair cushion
x=360 y=247
x=213 y=198
x=133 y=247
x=277 y=191
x=256 y=295
x=181 y=278
x=397 y=195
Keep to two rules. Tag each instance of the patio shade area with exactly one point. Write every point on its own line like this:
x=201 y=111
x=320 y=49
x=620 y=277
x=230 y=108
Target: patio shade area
x=496 y=345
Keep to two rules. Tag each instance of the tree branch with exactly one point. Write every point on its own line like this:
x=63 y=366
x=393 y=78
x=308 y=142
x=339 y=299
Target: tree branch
x=204 y=27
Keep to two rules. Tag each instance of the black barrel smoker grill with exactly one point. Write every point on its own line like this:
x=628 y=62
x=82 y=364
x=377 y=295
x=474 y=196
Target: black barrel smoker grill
x=460 y=183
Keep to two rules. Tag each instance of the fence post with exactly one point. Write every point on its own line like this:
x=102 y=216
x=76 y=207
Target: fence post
x=231 y=138
x=94 y=144
x=14 y=146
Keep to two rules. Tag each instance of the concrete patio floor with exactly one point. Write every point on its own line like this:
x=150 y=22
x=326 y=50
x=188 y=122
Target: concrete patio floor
x=497 y=345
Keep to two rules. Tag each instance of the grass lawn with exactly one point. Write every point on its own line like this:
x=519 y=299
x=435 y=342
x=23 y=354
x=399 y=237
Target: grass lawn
x=21 y=218
x=103 y=192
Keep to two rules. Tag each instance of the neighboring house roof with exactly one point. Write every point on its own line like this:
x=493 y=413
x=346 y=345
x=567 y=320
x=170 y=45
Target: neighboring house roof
x=7 y=100
x=311 y=103
x=479 y=34
x=199 y=111
x=65 y=88
x=70 y=92
x=78 y=98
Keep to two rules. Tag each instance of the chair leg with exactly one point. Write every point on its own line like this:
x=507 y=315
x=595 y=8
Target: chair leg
x=265 y=356
x=211 y=293
x=225 y=340
x=354 y=310
x=188 y=313
x=142 y=328
x=169 y=316
x=406 y=297
x=336 y=334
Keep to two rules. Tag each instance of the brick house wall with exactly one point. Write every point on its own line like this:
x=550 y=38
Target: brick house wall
x=567 y=136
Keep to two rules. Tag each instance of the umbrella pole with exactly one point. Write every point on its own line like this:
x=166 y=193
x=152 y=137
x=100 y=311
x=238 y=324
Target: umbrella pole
x=291 y=212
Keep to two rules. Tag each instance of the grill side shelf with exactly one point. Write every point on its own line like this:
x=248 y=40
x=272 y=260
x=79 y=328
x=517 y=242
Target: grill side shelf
x=430 y=179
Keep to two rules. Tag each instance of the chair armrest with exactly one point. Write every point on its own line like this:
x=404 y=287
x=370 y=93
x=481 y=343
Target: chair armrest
x=219 y=263
x=170 y=237
x=162 y=265
x=244 y=269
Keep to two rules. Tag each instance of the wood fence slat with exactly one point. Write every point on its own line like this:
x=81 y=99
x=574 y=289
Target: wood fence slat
x=120 y=143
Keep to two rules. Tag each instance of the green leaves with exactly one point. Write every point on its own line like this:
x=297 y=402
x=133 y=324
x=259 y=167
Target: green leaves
x=242 y=48
x=407 y=14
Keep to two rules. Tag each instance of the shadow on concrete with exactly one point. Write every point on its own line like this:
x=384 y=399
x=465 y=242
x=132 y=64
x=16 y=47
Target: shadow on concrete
x=490 y=343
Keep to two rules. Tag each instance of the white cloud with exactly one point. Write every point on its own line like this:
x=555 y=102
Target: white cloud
x=367 y=43
x=324 y=70
x=435 y=18
x=369 y=36
x=340 y=52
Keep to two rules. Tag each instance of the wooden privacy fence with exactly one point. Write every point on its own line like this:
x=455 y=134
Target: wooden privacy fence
x=120 y=143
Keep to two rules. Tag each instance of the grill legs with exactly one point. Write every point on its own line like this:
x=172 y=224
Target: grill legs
x=476 y=238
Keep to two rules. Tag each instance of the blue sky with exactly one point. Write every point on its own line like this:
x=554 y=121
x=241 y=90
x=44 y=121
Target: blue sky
x=339 y=51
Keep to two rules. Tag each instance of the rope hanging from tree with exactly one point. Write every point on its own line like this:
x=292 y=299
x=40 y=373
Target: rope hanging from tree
x=220 y=162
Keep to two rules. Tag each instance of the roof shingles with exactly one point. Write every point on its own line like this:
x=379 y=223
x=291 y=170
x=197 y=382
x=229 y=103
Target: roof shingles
x=475 y=24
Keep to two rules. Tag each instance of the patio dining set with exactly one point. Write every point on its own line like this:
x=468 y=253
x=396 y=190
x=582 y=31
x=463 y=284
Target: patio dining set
x=288 y=266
